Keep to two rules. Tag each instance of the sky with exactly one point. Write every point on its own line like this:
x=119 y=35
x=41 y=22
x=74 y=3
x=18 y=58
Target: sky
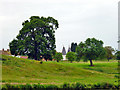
x=78 y=20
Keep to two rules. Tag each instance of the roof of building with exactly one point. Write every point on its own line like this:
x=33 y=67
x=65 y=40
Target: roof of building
x=63 y=51
x=4 y=52
x=69 y=49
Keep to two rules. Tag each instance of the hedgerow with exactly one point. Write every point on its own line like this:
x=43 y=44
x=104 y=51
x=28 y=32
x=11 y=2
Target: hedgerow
x=65 y=86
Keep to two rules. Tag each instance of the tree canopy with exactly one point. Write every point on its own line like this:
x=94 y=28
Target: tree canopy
x=79 y=50
x=71 y=56
x=73 y=47
x=109 y=51
x=14 y=47
x=36 y=38
x=90 y=49
x=58 y=56
x=117 y=55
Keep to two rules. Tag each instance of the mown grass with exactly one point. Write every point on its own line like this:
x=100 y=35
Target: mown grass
x=16 y=70
x=110 y=67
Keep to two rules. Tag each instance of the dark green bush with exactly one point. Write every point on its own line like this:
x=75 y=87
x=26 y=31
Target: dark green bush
x=104 y=86
x=51 y=87
x=38 y=86
x=9 y=87
x=27 y=86
x=117 y=76
x=65 y=86
x=41 y=62
x=117 y=54
x=78 y=86
x=2 y=59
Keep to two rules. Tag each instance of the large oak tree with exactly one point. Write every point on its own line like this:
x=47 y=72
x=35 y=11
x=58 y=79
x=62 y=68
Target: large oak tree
x=37 y=37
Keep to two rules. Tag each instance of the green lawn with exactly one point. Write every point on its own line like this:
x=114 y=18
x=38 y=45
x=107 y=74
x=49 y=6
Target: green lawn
x=16 y=70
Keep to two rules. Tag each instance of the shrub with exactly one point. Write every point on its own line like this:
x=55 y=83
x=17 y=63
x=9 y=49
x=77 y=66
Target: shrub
x=58 y=56
x=117 y=76
x=117 y=55
x=38 y=86
x=9 y=87
x=27 y=86
x=71 y=56
x=41 y=62
x=104 y=86
x=78 y=86
x=51 y=87
x=66 y=86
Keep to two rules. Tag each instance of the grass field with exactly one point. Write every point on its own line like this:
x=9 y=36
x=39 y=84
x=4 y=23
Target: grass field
x=16 y=70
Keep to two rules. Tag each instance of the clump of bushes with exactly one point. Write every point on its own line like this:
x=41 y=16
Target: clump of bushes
x=117 y=55
x=117 y=76
x=79 y=86
x=28 y=87
x=105 y=86
x=65 y=86
x=71 y=56
x=58 y=56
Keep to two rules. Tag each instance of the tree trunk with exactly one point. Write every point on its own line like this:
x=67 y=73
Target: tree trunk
x=71 y=61
x=35 y=54
x=91 y=64
x=35 y=57
x=35 y=47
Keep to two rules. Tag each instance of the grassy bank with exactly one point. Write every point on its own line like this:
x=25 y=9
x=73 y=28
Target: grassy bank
x=21 y=71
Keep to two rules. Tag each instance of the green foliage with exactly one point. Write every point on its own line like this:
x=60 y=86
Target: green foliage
x=91 y=49
x=71 y=56
x=36 y=38
x=38 y=86
x=105 y=86
x=52 y=87
x=14 y=47
x=58 y=56
x=117 y=55
x=79 y=86
x=27 y=86
x=109 y=51
x=79 y=50
x=73 y=47
x=65 y=86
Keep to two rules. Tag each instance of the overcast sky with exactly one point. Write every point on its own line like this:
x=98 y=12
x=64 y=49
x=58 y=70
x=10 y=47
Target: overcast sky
x=78 y=19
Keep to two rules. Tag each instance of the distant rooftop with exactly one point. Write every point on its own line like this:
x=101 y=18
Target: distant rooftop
x=63 y=51
x=69 y=49
x=5 y=52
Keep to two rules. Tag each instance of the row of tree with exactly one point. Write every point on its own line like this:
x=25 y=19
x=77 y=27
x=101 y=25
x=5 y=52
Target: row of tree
x=37 y=40
x=108 y=51
x=91 y=49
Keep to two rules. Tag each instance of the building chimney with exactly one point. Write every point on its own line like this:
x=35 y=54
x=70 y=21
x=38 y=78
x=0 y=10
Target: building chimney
x=8 y=50
x=3 y=49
